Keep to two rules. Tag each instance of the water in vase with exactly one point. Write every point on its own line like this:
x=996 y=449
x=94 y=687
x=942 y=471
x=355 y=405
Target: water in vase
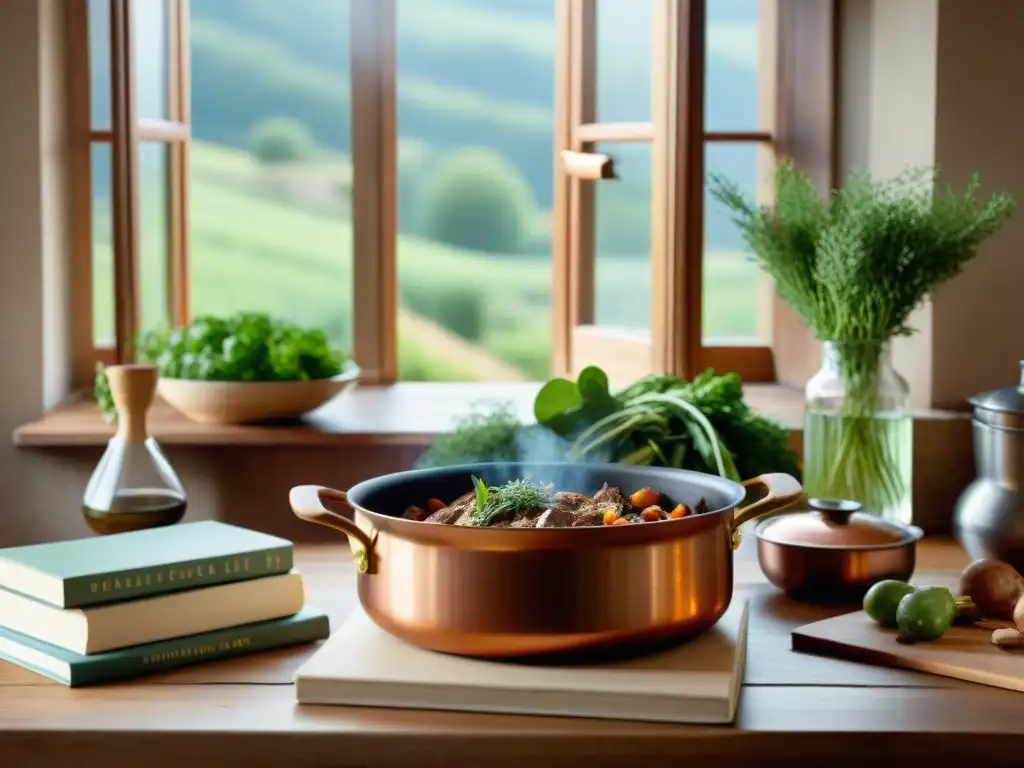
x=866 y=459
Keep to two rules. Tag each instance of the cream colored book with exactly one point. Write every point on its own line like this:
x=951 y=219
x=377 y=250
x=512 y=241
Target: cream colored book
x=150 y=619
x=695 y=682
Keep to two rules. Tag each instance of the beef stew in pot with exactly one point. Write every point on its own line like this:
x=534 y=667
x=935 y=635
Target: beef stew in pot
x=524 y=504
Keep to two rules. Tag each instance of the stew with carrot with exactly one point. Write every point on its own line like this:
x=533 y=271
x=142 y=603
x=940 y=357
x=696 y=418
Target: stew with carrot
x=524 y=504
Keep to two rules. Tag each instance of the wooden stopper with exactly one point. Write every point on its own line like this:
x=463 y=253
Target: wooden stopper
x=132 y=388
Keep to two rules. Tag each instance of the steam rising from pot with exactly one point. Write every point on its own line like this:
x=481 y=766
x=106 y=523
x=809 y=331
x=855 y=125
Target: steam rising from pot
x=536 y=445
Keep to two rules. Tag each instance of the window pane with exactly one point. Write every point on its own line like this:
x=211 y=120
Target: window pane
x=270 y=183
x=475 y=167
x=150 y=27
x=102 y=247
x=622 y=239
x=731 y=69
x=624 y=35
x=99 y=63
x=154 y=305
x=730 y=295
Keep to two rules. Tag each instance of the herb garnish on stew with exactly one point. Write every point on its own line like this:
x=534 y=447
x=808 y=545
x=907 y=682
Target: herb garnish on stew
x=503 y=502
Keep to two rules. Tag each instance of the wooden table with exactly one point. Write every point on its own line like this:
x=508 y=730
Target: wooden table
x=802 y=709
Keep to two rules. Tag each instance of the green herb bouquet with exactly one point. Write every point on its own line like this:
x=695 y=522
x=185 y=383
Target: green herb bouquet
x=854 y=267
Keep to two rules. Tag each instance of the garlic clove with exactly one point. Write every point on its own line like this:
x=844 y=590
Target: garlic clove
x=1008 y=639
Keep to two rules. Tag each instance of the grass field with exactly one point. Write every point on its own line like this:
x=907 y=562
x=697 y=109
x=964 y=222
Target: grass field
x=252 y=251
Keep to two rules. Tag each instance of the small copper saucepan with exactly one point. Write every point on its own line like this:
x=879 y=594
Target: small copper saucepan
x=526 y=591
x=834 y=552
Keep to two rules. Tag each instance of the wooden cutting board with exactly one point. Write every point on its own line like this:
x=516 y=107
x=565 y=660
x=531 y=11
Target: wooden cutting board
x=965 y=653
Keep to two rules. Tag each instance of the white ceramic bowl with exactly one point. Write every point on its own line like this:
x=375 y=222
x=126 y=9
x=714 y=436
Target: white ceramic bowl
x=237 y=402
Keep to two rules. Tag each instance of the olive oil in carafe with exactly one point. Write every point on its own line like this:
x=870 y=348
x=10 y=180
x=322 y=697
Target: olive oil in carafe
x=134 y=486
x=135 y=510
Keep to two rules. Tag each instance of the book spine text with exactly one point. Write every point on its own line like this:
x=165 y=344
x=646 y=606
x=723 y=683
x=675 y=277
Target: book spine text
x=237 y=641
x=97 y=589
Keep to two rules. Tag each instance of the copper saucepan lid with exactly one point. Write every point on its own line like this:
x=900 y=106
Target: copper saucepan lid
x=835 y=524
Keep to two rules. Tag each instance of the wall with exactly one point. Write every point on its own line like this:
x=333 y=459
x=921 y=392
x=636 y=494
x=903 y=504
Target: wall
x=32 y=192
x=887 y=110
x=979 y=128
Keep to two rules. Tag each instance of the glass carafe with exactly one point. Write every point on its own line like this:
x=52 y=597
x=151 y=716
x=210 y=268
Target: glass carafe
x=134 y=486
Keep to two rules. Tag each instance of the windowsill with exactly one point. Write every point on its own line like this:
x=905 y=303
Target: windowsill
x=409 y=414
x=401 y=414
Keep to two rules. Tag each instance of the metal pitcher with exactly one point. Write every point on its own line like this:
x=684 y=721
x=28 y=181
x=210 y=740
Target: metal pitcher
x=989 y=515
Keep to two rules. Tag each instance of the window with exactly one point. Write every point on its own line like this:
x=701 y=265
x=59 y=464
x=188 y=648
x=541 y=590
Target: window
x=130 y=144
x=474 y=119
x=654 y=278
x=484 y=190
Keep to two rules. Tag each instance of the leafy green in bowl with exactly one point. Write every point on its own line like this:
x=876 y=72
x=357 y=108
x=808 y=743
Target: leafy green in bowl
x=249 y=367
x=248 y=346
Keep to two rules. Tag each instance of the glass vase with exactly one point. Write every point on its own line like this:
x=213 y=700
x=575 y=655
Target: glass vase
x=858 y=430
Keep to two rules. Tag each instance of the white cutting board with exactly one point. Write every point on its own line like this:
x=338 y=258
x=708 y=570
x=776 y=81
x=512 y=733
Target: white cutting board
x=695 y=682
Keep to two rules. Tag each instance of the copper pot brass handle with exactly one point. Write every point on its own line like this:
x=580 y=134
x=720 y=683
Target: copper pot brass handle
x=781 y=491
x=307 y=502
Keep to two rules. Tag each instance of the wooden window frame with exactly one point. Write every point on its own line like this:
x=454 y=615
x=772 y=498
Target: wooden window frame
x=678 y=140
x=124 y=136
x=374 y=192
x=374 y=166
x=801 y=114
x=790 y=31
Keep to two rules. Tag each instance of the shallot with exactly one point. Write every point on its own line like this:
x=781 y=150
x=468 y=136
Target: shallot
x=995 y=587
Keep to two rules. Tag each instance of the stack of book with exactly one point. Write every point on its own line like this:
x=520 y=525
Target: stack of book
x=113 y=607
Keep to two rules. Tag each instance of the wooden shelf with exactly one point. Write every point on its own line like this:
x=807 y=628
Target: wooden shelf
x=401 y=414
x=411 y=413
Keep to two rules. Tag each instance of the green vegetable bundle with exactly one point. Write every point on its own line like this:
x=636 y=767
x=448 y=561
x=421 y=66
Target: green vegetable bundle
x=703 y=425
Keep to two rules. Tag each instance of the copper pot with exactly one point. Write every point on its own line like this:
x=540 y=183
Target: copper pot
x=834 y=552
x=526 y=591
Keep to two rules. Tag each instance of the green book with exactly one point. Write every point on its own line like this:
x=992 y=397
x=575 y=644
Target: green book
x=74 y=669
x=126 y=566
